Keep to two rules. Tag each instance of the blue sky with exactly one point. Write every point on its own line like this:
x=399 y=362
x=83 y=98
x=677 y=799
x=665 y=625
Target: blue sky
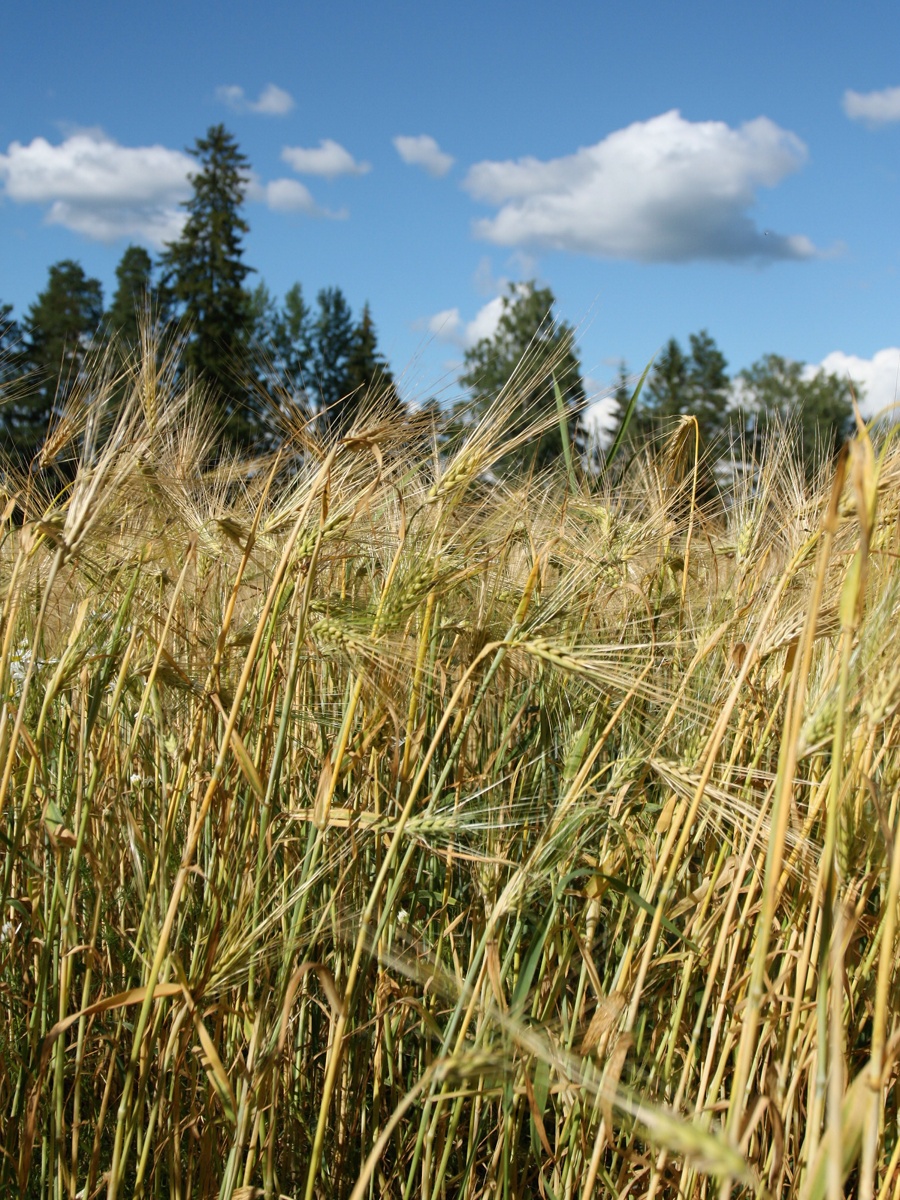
x=662 y=167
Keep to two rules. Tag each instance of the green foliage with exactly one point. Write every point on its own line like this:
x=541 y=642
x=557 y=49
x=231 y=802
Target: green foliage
x=282 y=345
x=205 y=273
x=60 y=327
x=12 y=367
x=819 y=406
x=333 y=346
x=10 y=344
x=369 y=377
x=666 y=391
x=528 y=350
x=624 y=388
x=133 y=297
x=694 y=384
x=293 y=339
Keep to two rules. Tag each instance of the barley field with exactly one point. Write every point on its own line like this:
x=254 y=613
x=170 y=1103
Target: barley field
x=373 y=828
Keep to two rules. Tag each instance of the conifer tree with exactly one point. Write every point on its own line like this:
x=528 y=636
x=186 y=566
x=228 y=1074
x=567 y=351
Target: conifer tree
x=368 y=375
x=665 y=393
x=60 y=326
x=283 y=345
x=527 y=334
x=11 y=369
x=10 y=343
x=695 y=384
x=333 y=345
x=205 y=271
x=709 y=387
x=293 y=340
x=134 y=291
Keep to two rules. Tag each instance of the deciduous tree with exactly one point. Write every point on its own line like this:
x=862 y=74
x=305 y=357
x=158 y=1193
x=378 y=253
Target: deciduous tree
x=818 y=404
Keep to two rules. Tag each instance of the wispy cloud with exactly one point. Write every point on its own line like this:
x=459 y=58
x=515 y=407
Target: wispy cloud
x=272 y=101
x=328 y=160
x=873 y=108
x=423 y=151
x=663 y=190
x=94 y=186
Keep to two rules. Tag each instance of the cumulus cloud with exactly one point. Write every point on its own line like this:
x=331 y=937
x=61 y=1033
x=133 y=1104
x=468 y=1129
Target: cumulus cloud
x=329 y=160
x=291 y=196
x=449 y=326
x=877 y=377
x=663 y=190
x=446 y=325
x=94 y=186
x=423 y=151
x=272 y=101
x=601 y=417
x=875 y=108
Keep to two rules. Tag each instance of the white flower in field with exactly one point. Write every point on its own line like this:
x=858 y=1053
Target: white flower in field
x=136 y=780
x=402 y=918
x=7 y=931
x=20 y=662
x=18 y=667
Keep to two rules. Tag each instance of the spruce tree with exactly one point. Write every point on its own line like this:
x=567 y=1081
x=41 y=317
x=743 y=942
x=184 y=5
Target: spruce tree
x=205 y=271
x=293 y=342
x=369 y=377
x=60 y=326
x=331 y=357
x=10 y=344
x=134 y=291
x=11 y=370
x=709 y=388
x=665 y=394
x=527 y=334
x=695 y=384
x=282 y=340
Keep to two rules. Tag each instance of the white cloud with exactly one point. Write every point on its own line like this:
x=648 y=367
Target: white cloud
x=273 y=101
x=329 y=159
x=287 y=195
x=663 y=190
x=291 y=196
x=484 y=323
x=94 y=186
x=423 y=151
x=875 y=108
x=448 y=325
x=601 y=417
x=878 y=377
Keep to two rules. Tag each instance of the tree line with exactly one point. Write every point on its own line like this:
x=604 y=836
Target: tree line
x=258 y=357
x=775 y=392
x=255 y=356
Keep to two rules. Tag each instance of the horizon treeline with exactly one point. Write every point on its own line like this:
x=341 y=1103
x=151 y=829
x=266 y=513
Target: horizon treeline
x=264 y=362
x=256 y=357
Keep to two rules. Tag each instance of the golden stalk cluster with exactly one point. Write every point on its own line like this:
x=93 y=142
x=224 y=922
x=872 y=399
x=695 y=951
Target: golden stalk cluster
x=373 y=826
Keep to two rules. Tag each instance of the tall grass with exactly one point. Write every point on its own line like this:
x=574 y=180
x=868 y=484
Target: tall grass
x=370 y=830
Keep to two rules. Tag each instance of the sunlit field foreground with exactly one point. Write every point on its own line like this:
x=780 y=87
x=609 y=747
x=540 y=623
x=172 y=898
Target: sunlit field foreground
x=373 y=829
